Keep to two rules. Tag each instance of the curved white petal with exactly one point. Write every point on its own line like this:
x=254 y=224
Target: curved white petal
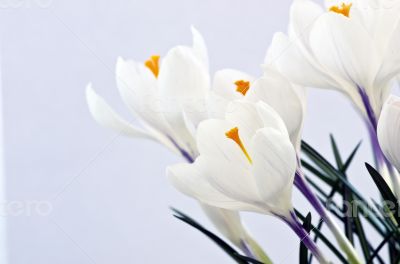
x=271 y=118
x=216 y=105
x=280 y=94
x=224 y=83
x=274 y=167
x=191 y=180
x=344 y=47
x=231 y=179
x=303 y=14
x=287 y=57
x=245 y=116
x=213 y=142
x=227 y=222
x=183 y=86
x=389 y=130
x=199 y=47
x=105 y=116
x=391 y=60
x=138 y=89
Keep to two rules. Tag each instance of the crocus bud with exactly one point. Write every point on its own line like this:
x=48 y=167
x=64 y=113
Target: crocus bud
x=389 y=130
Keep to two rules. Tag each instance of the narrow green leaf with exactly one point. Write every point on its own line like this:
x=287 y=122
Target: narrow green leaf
x=324 y=239
x=350 y=158
x=221 y=243
x=380 y=246
x=336 y=153
x=325 y=178
x=367 y=210
x=303 y=247
x=386 y=192
x=353 y=218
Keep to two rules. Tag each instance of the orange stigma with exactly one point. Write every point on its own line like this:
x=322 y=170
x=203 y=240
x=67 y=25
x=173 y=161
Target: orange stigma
x=234 y=135
x=242 y=86
x=343 y=9
x=153 y=64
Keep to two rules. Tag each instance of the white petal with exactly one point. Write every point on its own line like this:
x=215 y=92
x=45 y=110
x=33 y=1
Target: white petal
x=291 y=61
x=224 y=83
x=245 y=116
x=230 y=179
x=183 y=84
x=227 y=222
x=270 y=118
x=389 y=130
x=212 y=142
x=199 y=47
x=189 y=179
x=274 y=167
x=344 y=47
x=137 y=87
x=183 y=75
x=216 y=105
x=303 y=14
x=105 y=116
x=280 y=94
x=391 y=61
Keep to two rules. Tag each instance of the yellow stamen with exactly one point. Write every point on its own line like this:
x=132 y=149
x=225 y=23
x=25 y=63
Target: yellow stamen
x=234 y=135
x=242 y=86
x=343 y=9
x=153 y=64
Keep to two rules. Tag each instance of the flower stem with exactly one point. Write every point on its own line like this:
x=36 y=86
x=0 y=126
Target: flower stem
x=383 y=165
x=342 y=240
x=254 y=250
x=295 y=225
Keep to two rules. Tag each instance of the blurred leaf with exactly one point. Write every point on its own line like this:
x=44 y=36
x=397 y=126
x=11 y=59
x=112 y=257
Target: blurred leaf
x=221 y=243
x=380 y=246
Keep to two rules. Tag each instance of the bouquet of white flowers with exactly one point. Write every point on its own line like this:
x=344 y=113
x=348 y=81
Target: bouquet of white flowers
x=241 y=136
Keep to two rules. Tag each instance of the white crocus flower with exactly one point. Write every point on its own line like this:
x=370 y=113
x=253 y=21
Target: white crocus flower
x=349 y=46
x=169 y=97
x=247 y=162
x=389 y=134
x=289 y=100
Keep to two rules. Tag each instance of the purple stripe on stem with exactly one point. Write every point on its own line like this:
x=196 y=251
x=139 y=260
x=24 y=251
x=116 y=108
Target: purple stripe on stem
x=183 y=152
x=305 y=189
x=246 y=249
x=295 y=225
x=372 y=125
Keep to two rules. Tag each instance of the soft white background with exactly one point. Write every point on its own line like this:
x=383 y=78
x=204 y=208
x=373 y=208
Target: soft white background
x=109 y=194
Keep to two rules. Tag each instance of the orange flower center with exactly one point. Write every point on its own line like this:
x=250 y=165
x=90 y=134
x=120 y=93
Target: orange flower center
x=342 y=9
x=234 y=135
x=242 y=86
x=153 y=64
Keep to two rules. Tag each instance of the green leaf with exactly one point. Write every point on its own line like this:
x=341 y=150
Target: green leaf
x=379 y=247
x=221 y=243
x=336 y=153
x=386 y=192
x=350 y=158
x=303 y=247
x=348 y=199
x=322 y=237
x=367 y=211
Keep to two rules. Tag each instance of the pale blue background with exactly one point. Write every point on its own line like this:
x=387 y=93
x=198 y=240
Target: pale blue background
x=109 y=194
